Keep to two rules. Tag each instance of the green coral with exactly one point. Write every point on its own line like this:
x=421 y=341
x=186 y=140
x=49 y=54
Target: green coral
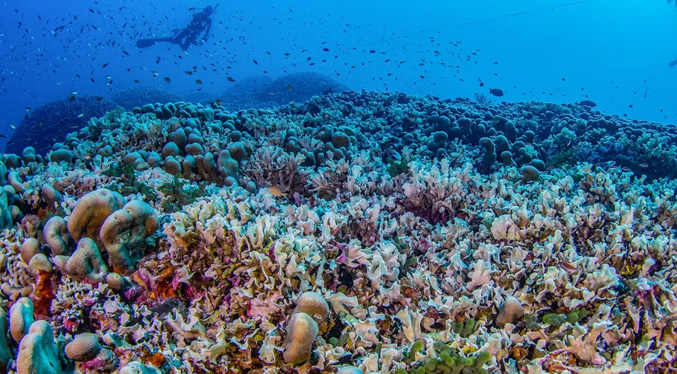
x=181 y=192
x=465 y=328
x=396 y=168
x=448 y=361
x=129 y=183
x=558 y=319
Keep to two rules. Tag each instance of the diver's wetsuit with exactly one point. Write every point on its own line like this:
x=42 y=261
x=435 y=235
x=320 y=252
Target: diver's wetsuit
x=196 y=32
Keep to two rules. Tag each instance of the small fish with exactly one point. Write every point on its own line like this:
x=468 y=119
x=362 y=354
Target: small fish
x=230 y=79
x=198 y=81
x=289 y=87
x=12 y=126
x=255 y=62
x=496 y=92
x=3 y=136
x=276 y=191
x=104 y=65
x=644 y=165
x=167 y=79
x=81 y=115
x=71 y=98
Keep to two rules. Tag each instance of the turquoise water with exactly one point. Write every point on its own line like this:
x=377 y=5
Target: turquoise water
x=614 y=53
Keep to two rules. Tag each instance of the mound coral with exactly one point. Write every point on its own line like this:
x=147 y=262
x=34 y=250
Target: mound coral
x=38 y=352
x=90 y=213
x=124 y=234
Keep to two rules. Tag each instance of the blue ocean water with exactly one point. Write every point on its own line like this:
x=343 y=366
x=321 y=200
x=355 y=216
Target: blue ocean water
x=612 y=52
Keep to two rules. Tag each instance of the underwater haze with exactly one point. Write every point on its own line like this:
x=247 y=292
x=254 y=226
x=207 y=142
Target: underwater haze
x=614 y=53
x=279 y=187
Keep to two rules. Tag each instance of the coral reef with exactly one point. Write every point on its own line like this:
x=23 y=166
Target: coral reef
x=356 y=232
x=56 y=118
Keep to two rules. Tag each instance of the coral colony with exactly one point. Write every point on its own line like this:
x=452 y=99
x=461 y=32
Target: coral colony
x=357 y=232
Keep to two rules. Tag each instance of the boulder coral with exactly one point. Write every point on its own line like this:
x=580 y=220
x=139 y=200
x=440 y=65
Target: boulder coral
x=5 y=351
x=313 y=304
x=86 y=262
x=56 y=236
x=302 y=327
x=20 y=318
x=91 y=211
x=84 y=347
x=38 y=352
x=301 y=333
x=510 y=311
x=124 y=234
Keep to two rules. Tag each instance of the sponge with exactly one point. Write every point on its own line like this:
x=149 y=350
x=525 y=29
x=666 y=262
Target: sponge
x=20 y=318
x=37 y=351
x=86 y=262
x=124 y=234
x=91 y=211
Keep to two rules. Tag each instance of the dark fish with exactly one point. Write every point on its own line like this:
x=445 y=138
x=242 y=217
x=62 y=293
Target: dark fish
x=588 y=103
x=198 y=81
x=255 y=62
x=230 y=79
x=104 y=65
x=496 y=92
x=289 y=87
x=167 y=79
x=3 y=136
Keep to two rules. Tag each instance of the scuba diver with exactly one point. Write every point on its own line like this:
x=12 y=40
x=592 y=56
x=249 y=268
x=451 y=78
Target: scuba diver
x=196 y=33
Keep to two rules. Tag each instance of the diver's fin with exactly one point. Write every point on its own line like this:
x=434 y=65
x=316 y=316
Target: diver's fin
x=145 y=43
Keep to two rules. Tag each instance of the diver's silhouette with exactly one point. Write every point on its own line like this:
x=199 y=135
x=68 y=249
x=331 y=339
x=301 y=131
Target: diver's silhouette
x=196 y=33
